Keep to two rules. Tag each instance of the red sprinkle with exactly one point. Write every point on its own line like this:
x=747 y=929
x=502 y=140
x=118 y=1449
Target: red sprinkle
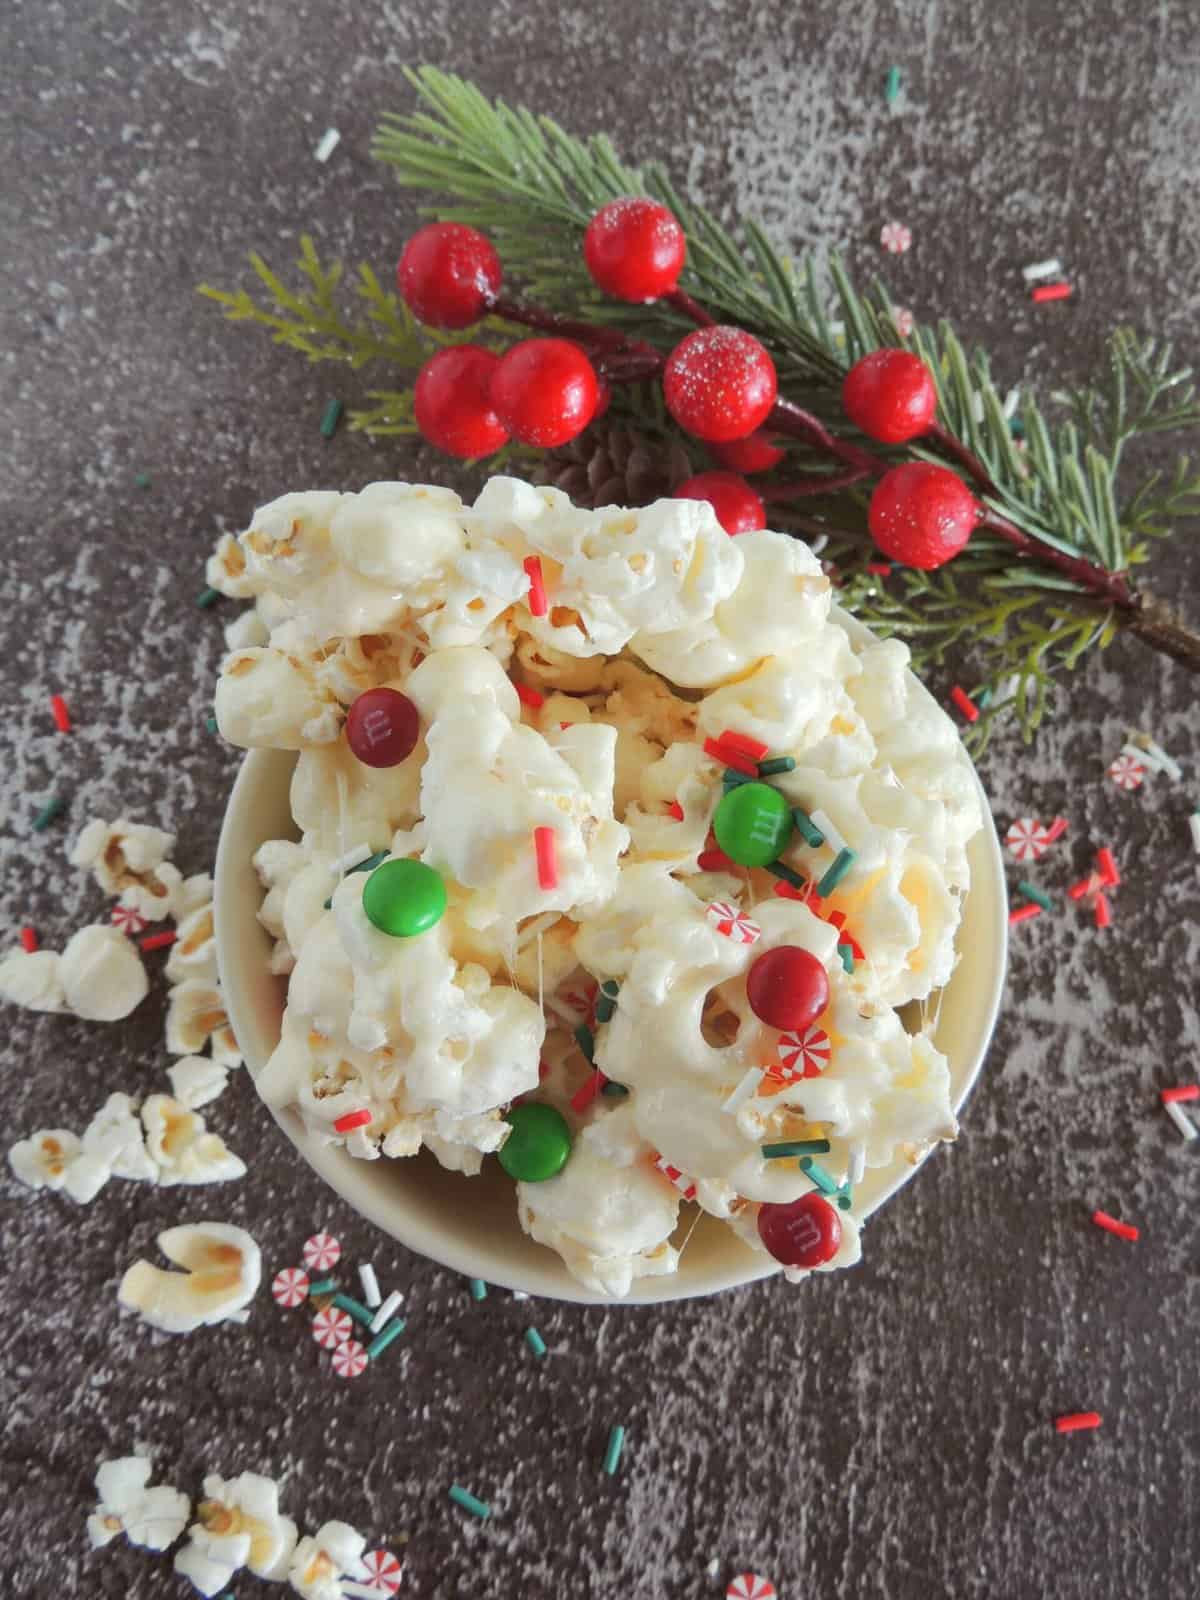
x=1123 y=1230
x=786 y=892
x=1076 y=1421
x=529 y=697
x=537 y=586
x=728 y=757
x=744 y=745
x=1023 y=913
x=545 y=844
x=1056 y=829
x=1108 y=867
x=965 y=704
x=715 y=861
x=1186 y=1091
x=1052 y=291
x=1103 y=912
x=582 y=1098
x=352 y=1120
x=1088 y=885
x=158 y=941
x=62 y=717
x=29 y=940
x=676 y=810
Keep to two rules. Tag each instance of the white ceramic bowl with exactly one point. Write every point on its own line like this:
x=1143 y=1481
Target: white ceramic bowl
x=470 y=1224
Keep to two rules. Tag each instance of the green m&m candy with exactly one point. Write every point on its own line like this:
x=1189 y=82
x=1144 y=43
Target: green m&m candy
x=753 y=824
x=404 y=898
x=538 y=1145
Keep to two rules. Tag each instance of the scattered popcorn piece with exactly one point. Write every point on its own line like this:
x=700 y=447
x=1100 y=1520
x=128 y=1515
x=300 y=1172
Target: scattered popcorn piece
x=181 y=1147
x=196 y=1014
x=196 y=1080
x=247 y=631
x=102 y=975
x=127 y=859
x=44 y=1159
x=112 y=1147
x=194 y=953
x=321 y=1562
x=221 y=1265
x=191 y=894
x=153 y=1518
x=32 y=980
x=239 y=1525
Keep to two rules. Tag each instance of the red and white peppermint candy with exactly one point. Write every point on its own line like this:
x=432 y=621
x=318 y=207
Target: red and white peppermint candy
x=581 y=1000
x=802 y=1055
x=349 y=1359
x=290 y=1287
x=1027 y=839
x=1127 y=772
x=749 y=1586
x=895 y=238
x=680 y=1180
x=383 y=1571
x=331 y=1328
x=733 y=922
x=321 y=1252
x=904 y=320
x=128 y=920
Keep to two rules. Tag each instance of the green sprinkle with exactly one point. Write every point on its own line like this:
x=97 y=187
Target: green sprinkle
x=1016 y=427
x=836 y=871
x=846 y=952
x=731 y=778
x=983 y=699
x=610 y=987
x=355 y=1308
x=464 y=1498
x=795 y=1147
x=612 y=1454
x=54 y=807
x=605 y=1006
x=807 y=828
x=586 y=1041
x=535 y=1341
x=207 y=597
x=142 y=481
x=891 y=86
x=778 y=764
x=368 y=865
x=381 y=1340
x=326 y=1286
x=330 y=418
x=615 y=1091
x=1032 y=892
x=825 y=1183
x=478 y=1289
x=778 y=870
x=210 y=724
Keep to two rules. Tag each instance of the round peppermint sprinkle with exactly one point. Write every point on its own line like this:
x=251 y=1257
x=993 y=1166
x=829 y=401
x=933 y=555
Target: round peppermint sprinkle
x=896 y=239
x=383 y=1571
x=733 y=922
x=290 y=1287
x=321 y=1252
x=332 y=1328
x=803 y=1055
x=350 y=1359
x=1027 y=839
x=128 y=921
x=749 y=1586
x=1127 y=772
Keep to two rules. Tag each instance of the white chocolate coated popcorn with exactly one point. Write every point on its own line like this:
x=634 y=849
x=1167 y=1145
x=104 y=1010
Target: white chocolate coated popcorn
x=323 y=1559
x=238 y=1525
x=660 y=632
x=32 y=979
x=221 y=1267
x=99 y=976
x=127 y=860
x=150 y=1517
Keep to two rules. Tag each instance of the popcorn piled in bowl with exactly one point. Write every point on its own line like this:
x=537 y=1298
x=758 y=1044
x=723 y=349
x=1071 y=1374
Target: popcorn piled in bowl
x=617 y=860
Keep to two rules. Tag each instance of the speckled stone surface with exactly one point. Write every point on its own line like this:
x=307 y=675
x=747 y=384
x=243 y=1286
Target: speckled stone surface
x=884 y=1433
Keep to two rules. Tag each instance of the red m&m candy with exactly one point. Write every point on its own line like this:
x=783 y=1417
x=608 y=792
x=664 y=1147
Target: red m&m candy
x=804 y=1233
x=382 y=727
x=787 y=987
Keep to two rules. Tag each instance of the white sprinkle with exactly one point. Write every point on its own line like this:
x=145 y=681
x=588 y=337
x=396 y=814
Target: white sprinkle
x=1166 y=763
x=1011 y=401
x=713 y=1568
x=1182 y=1122
x=386 y=1310
x=832 y=837
x=858 y=1162
x=519 y=1294
x=744 y=1090
x=353 y=858
x=370 y=1286
x=819 y=543
x=1194 y=825
x=1042 y=269
x=330 y=140
x=1140 y=753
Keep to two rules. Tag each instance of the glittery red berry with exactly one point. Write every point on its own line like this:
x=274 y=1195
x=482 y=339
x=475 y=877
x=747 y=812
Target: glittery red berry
x=452 y=402
x=738 y=508
x=922 y=515
x=805 y=1233
x=719 y=383
x=448 y=275
x=382 y=727
x=634 y=249
x=755 y=453
x=545 y=391
x=890 y=395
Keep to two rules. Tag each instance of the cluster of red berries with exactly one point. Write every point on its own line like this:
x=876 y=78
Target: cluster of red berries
x=719 y=383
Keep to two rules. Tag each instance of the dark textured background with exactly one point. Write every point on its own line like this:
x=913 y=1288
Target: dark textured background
x=884 y=1433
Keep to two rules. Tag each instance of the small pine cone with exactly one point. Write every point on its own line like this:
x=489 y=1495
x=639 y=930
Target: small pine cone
x=613 y=466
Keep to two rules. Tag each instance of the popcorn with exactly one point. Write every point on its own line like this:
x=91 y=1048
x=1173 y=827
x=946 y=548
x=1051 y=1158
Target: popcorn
x=112 y=1147
x=153 y=1518
x=321 y=1562
x=194 y=953
x=127 y=859
x=43 y=1160
x=33 y=980
x=182 y=1149
x=238 y=1525
x=102 y=975
x=221 y=1270
x=271 y=699
x=196 y=1080
x=196 y=1014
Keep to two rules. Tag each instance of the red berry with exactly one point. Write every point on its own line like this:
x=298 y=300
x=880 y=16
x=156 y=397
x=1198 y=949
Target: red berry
x=382 y=727
x=755 y=453
x=922 y=515
x=719 y=383
x=634 y=249
x=448 y=275
x=806 y=1233
x=738 y=508
x=545 y=391
x=890 y=395
x=787 y=987
x=452 y=402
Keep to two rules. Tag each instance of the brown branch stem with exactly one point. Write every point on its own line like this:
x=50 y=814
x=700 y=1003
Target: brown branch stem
x=798 y=488
x=682 y=301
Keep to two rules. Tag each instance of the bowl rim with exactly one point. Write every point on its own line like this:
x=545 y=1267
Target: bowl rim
x=356 y=1181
